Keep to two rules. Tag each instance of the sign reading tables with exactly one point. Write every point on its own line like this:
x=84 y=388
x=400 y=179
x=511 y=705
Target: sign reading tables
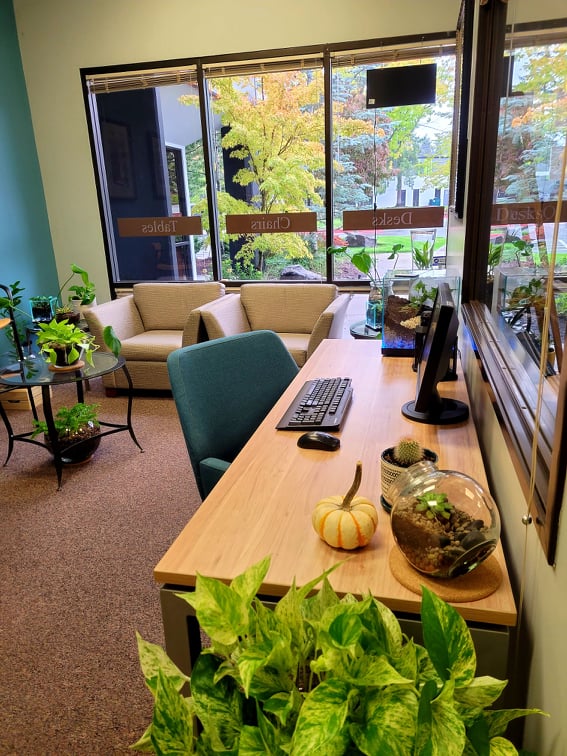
x=271 y=223
x=178 y=226
x=394 y=217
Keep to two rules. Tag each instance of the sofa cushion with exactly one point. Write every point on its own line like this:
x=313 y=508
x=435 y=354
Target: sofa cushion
x=151 y=346
x=166 y=306
x=296 y=344
x=285 y=308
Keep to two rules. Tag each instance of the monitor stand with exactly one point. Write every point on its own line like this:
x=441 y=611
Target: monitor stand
x=448 y=412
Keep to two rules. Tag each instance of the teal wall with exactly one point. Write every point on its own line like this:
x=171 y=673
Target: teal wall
x=26 y=249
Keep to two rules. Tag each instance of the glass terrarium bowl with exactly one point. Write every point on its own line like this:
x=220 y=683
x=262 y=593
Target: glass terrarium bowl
x=444 y=522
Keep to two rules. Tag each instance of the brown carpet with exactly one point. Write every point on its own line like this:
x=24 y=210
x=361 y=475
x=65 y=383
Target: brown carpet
x=76 y=569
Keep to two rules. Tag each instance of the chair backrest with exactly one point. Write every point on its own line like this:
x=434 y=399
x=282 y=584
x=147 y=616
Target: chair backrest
x=166 y=306
x=224 y=388
x=286 y=308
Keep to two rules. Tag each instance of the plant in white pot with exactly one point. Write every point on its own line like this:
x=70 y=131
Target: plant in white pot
x=395 y=459
x=83 y=294
x=320 y=674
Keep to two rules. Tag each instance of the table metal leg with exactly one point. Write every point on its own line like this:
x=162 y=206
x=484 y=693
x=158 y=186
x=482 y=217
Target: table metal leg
x=129 y=410
x=9 y=431
x=52 y=433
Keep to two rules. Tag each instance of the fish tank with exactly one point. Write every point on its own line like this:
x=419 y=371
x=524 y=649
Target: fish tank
x=408 y=298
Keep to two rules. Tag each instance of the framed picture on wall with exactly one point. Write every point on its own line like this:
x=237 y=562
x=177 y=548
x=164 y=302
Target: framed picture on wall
x=118 y=160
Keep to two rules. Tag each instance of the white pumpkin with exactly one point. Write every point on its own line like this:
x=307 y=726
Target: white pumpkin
x=346 y=522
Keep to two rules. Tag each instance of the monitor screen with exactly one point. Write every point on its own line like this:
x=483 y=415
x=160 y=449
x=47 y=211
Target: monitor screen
x=429 y=406
x=404 y=85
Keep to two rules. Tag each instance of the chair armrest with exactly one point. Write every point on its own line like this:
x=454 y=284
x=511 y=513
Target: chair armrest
x=194 y=331
x=211 y=470
x=224 y=317
x=330 y=323
x=122 y=314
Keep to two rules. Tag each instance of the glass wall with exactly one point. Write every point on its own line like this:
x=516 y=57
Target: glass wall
x=245 y=169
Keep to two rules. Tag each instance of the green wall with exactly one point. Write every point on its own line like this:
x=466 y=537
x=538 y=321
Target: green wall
x=26 y=250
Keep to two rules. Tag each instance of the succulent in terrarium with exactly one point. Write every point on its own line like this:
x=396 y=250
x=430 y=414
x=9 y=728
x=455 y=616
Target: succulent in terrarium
x=434 y=505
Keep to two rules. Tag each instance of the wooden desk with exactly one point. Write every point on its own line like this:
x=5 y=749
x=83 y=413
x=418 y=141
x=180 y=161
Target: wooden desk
x=263 y=503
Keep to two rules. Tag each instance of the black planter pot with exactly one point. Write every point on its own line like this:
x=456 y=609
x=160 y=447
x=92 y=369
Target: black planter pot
x=73 y=452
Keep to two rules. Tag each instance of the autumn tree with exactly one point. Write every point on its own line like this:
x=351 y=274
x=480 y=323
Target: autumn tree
x=274 y=125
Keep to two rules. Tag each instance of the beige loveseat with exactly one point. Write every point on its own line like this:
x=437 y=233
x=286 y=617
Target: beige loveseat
x=301 y=314
x=151 y=322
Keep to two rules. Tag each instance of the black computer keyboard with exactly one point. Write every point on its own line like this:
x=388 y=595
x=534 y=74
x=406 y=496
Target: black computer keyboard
x=320 y=405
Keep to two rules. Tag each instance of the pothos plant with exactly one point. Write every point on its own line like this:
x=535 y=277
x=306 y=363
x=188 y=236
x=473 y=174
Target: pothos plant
x=322 y=675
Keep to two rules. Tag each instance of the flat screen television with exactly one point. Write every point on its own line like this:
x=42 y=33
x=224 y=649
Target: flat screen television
x=438 y=346
x=404 y=85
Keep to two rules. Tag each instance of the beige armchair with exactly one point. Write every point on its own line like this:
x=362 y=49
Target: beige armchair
x=301 y=314
x=151 y=322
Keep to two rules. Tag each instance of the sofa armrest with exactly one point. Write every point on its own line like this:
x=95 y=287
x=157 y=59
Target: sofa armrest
x=224 y=317
x=122 y=314
x=330 y=323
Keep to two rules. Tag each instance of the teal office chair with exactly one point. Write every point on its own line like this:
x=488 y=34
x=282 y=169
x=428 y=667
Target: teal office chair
x=223 y=389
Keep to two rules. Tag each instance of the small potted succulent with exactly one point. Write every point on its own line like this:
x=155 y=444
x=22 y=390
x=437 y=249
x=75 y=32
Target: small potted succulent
x=63 y=344
x=395 y=459
x=66 y=312
x=78 y=432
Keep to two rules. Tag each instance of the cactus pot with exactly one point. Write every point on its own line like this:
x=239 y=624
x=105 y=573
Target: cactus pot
x=389 y=471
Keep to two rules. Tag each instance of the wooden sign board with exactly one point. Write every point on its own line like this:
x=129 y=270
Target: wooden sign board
x=272 y=223
x=526 y=212
x=393 y=217
x=178 y=226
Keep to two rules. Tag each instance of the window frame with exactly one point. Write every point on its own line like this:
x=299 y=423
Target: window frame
x=193 y=70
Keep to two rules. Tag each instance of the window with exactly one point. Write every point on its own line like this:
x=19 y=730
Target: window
x=243 y=169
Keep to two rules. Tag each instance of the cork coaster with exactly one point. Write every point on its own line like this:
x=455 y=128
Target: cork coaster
x=66 y=368
x=478 y=584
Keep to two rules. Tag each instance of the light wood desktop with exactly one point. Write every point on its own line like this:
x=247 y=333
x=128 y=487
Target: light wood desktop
x=263 y=504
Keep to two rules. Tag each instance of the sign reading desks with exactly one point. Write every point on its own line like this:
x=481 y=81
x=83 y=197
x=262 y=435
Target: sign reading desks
x=393 y=217
x=271 y=223
x=178 y=226
x=527 y=212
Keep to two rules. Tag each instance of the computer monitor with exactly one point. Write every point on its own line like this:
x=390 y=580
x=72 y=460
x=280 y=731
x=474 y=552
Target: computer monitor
x=428 y=406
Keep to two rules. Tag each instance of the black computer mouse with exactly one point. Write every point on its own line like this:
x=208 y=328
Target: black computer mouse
x=319 y=440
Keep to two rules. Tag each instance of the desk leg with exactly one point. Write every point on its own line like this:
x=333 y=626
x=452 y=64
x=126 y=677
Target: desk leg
x=180 y=628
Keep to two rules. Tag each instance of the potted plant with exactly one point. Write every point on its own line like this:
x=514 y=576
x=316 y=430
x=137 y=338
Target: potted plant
x=66 y=312
x=42 y=308
x=63 y=343
x=322 y=675
x=395 y=459
x=78 y=432
x=423 y=247
x=10 y=308
x=444 y=522
x=83 y=293
x=367 y=263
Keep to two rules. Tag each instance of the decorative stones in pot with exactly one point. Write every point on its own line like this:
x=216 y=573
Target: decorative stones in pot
x=444 y=522
x=395 y=460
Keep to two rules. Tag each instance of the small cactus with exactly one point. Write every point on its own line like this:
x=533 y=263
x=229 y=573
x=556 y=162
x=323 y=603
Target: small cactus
x=407 y=452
